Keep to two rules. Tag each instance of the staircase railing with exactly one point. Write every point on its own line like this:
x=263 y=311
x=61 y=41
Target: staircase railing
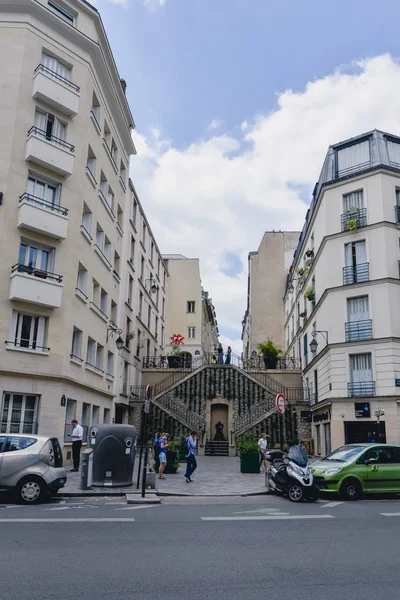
x=180 y=412
x=256 y=413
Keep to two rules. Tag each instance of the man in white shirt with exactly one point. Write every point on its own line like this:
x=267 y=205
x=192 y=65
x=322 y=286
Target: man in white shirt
x=262 y=446
x=76 y=437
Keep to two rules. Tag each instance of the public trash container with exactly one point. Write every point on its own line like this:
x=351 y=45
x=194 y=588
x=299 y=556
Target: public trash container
x=114 y=449
x=87 y=469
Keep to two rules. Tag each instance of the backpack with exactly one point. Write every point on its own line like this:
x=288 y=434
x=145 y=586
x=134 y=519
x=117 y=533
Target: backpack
x=157 y=448
x=186 y=447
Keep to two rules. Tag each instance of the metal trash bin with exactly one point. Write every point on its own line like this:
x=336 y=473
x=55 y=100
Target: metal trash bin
x=87 y=469
x=114 y=449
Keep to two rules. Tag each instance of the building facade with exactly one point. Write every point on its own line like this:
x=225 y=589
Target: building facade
x=62 y=211
x=267 y=270
x=190 y=312
x=343 y=294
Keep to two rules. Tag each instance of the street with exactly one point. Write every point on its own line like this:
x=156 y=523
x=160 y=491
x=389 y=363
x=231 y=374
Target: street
x=236 y=548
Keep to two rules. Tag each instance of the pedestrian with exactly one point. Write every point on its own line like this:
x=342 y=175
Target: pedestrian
x=155 y=443
x=76 y=437
x=228 y=356
x=162 y=457
x=220 y=354
x=262 y=446
x=191 y=463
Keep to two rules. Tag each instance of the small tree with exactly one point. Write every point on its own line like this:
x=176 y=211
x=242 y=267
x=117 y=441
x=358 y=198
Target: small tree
x=270 y=352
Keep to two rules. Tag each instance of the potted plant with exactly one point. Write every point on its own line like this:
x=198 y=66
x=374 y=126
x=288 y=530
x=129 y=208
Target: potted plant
x=310 y=294
x=352 y=219
x=175 y=358
x=249 y=454
x=270 y=353
x=300 y=271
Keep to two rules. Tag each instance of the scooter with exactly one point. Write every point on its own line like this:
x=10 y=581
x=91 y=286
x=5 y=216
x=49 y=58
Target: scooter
x=290 y=475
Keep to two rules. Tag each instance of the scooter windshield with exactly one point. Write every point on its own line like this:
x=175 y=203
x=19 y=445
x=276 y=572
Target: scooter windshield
x=298 y=455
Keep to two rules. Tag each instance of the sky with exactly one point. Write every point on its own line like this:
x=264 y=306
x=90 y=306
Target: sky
x=235 y=104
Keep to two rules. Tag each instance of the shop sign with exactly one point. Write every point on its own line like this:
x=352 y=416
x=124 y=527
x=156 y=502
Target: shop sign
x=305 y=416
x=362 y=410
x=397 y=382
x=326 y=416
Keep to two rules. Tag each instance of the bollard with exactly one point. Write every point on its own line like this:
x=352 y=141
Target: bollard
x=87 y=469
x=146 y=458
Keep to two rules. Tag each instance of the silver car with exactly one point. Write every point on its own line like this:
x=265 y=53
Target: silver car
x=31 y=466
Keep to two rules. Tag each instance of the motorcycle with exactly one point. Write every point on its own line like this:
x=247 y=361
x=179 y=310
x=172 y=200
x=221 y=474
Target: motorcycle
x=290 y=475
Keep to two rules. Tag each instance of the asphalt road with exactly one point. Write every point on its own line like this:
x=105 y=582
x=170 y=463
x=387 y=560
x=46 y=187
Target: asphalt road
x=199 y=548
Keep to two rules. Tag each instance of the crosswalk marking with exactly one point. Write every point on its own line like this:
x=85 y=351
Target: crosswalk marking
x=391 y=514
x=331 y=504
x=71 y=520
x=268 y=518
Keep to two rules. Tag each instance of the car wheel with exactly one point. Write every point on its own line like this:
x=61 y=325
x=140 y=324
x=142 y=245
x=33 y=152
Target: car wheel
x=295 y=493
x=31 y=490
x=350 y=489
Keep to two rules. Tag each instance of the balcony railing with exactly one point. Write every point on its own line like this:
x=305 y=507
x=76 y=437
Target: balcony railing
x=361 y=389
x=39 y=201
x=354 y=219
x=89 y=365
x=60 y=78
x=255 y=362
x=68 y=430
x=19 y=427
x=51 y=138
x=27 y=345
x=356 y=274
x=397 y=213
x=36 y=272
x=358 y=330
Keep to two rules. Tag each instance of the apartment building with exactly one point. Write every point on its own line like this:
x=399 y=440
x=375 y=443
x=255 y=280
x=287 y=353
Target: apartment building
x=190 y=311
x=66 y=130
x=142 y=302
x=343 y=294
x=267 y=270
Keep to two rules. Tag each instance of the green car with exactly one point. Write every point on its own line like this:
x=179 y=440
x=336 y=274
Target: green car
x=358 y=469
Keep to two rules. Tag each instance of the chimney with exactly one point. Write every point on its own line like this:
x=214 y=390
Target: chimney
x=123 y=85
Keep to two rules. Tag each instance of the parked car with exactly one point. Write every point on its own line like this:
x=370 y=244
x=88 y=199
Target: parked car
x=31 y=467
x=358 y=469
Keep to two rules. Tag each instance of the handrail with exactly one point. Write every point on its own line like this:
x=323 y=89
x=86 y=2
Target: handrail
x=67 y=82
x=45 y=203
x=50 y=138
x=40 y=273
x=194 y=420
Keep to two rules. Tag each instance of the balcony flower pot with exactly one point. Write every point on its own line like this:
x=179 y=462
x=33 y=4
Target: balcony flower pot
x=270 y=353
x=310 y=294
x=25 y=269
x=351 y=225
x=309 y=253
x=39 y=273
x=249 y=455
x=175 y=361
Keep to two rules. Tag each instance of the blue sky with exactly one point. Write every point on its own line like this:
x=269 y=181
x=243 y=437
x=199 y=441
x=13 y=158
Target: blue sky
x=223 y=85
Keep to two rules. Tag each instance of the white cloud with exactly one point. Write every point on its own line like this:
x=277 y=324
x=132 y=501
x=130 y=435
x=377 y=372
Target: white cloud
x=215 y=124
x=221 y=193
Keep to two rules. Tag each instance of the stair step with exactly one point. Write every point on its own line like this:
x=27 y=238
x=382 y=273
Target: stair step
x=217 y=448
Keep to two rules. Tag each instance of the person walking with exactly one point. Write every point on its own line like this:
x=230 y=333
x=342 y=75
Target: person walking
x=162 y=457
x=228 y=356
x=220 y=351
x=76 y=437
x=191 y=463
x=262 y=446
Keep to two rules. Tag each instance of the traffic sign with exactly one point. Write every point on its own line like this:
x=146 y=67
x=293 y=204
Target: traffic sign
x=148 y=392
x=281 y=404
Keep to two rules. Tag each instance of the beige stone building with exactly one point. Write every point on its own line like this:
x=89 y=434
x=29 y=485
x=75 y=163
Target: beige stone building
x=66 y=130
x=190 y=312
x=268 y=267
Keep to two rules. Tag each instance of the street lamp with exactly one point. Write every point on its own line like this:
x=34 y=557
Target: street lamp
x=153 y=287
x=314 y=343
x=110 y=333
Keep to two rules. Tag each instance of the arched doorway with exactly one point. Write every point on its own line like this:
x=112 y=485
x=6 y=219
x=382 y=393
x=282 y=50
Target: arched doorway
x=219 y=422
x=186 y=358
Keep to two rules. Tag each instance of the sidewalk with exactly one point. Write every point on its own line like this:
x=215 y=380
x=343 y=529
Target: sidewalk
x=215 y=476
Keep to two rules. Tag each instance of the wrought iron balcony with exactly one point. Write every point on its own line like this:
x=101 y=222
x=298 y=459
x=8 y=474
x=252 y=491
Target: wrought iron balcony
x=361 y=389
x=51 y=138
x=42 y=68
x=354 y=220
x=356 y=274
x=397 y=213
x=20 y=268
x=358 y=330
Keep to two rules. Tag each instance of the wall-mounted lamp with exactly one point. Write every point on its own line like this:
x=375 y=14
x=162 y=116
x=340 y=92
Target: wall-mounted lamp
x=111 y=331
x=314 y=343
x=153 y=287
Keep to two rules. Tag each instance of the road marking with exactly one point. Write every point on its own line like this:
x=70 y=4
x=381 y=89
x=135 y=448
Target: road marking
x=114 y=503
x=71 y=520
x=138 y=507
x=268 y=518
x=271 y=511
x=331 y=504
x=80 y=506
x=390 y=514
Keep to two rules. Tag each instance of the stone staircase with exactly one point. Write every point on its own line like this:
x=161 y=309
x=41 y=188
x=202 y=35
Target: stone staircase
x=217 y=448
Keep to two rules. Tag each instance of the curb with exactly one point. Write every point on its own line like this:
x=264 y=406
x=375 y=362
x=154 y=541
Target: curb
x=84 y=494
x=209 y=495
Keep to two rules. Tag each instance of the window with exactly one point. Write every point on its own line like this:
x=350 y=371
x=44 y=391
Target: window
x=53 y=64
x=126 y=379
x=103 y=243
x=110 y=364
x=116 y=263
x=353 y=158
x=149 y=317
x=28 y=331
x=86 y=410
x=359 y=325
x=162 y=335
x=103 y=186
x=148 y=348
x=191 y=333
x=104 y=302
x=163 y=308
x=95 y=111
x=95 y=292
x=122 y=174
x=43 y=190
x=127 y=332
x=114 y=308
x=151 y=251
x=139 y=343
x=114 y=151
x=140 y=304
x=110 y=198
x=99 y=357
x=165 y=279
x=81 y=280
x=394 y=153
x=19 y=413
x=107 y=135
x=132 y=251
x=35 y=257
x=361 y=375
x=86 y=220
x=144 y=228
x=120 y=216
x=91 y=352
x=91 y=163
x=357 y=268
x=106 y=417
x=191 y=306
x=76 y=348
x=50 y=126
x=107 y=248
x=142 y=269
x=96 y=415
x=134 y=209
x=158 y=266
x=61 y=12
x=130 y=290
x=156 y=327
x=70 y=412
x=354 y=200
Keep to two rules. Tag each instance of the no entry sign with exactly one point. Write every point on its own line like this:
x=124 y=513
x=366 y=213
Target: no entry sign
x=281 y=403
